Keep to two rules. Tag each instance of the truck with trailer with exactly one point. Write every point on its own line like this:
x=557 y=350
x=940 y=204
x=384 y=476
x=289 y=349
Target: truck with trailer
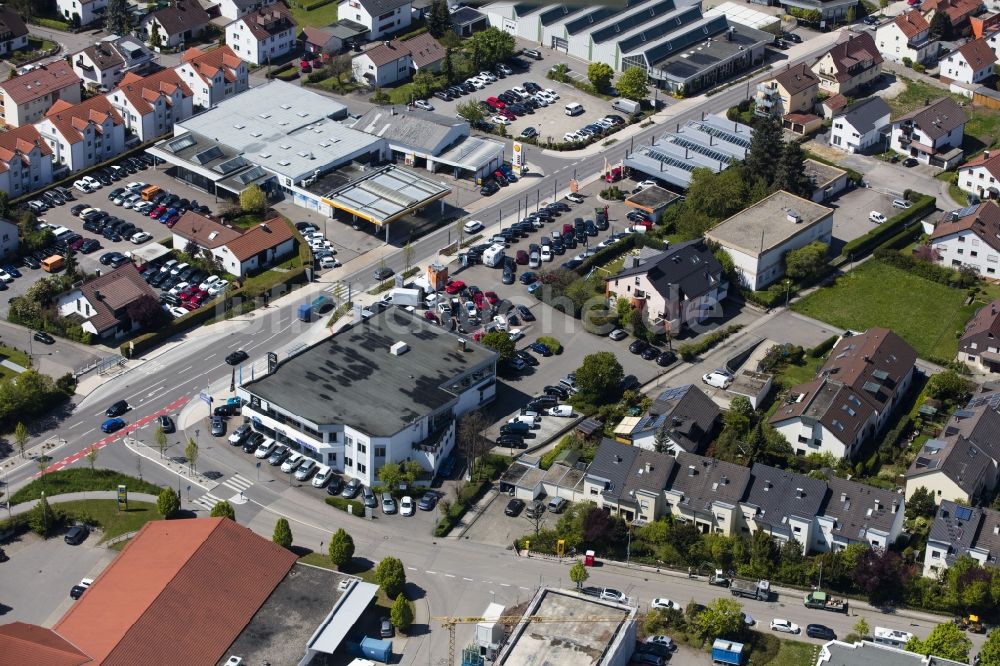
x=749 y=589
x=824 y=601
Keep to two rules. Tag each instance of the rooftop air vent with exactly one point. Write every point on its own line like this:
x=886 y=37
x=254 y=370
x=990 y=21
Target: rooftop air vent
x=399 y=348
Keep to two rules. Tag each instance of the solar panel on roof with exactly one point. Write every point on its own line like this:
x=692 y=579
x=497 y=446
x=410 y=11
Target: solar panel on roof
x=871 y=387
x=880 y=375
x=963 y=513
x=728 y=137
x=206 y=156
x=251 y=175
x=181 y=143
x=699 y=148
x=669 y=161
x=229 y=166
x=963 y=212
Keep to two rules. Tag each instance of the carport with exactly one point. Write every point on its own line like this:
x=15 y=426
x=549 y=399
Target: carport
x=652 y=201
x=523 y=479
x=385 y=195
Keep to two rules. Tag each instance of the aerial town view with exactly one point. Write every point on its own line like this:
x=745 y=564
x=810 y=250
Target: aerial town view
x=608 y=333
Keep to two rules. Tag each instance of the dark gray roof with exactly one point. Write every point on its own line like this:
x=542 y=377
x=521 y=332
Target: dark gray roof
x=775 y=492
x=688 y=414
x=622 y=468
x=378 y=7
x=689 y=266
x=966 y=452
x=465 y=16
x=858 y=507
x=352 y=378
x=185 y=15
x=703 y=481
x=866 y=654
x=865 y=114
x=966 y=528
x=938 y=118
x=412 y=128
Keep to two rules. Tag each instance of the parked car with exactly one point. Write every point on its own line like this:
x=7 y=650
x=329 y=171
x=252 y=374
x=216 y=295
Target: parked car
x=43 y=337
x=611 y=594
x=876 y=217
x=166 y=423
x=305 y=469
x=514 y=507
x=76 y=535
x=663 y=603
x=77 y=590
x=784 y=626
x=820 y=631
x=388 y=503
x=428 y=501
x=406 y=506
x=718 y=378
x=218 y=426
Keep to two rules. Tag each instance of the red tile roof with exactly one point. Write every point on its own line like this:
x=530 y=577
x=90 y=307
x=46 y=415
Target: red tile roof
x=71 y=119
x=18 y=142
x=990 y=161
x=957 y=10
x=315 y=36
x=40 y=82
x=176 y=595
x=208 y=63
x=204 y=231
x=978 y=54
x=108 y=294
x=141 y=92
x=22 y=643
x=264 y=236
x=911 y=23
x=268 y=21
x=425 y=50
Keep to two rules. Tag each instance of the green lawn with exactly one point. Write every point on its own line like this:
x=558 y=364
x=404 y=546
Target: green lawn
x=77 y=479
x=794 y=653
x=317 y=18
x=14 y=356
x=926 y=314
x=954 y=190
x=112 y=521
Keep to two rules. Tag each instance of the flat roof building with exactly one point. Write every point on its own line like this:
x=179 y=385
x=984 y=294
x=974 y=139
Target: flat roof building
x=758 y=237
x=388 y=389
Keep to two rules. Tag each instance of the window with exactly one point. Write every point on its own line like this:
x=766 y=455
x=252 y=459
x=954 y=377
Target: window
x=348 y=462
x=362 y=468
x=380 y=452
x=974 y=253
x=362 y=448
x=935 y=554
x=797 y=530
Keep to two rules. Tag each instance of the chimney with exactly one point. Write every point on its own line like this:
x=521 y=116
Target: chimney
x=724 y=480
x=798 y=493
x=618 y=459
x=767 y=485
x=895 y=506
x=996 y=529
x=463 y=344
x=843 y=497
x=649 y=468
x=986 y=155
x=878 y=505
x=691 y=470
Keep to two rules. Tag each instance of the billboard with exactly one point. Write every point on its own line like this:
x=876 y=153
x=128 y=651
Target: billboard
x=518 y=159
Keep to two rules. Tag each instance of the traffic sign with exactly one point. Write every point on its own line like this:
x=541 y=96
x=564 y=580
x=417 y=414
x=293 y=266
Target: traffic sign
x=206 y=398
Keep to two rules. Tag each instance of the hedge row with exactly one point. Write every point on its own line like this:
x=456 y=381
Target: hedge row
x=925 y=269
x=691 y=351
x=471 y=493
x=894 y=225
x=822 y=348
x=612 y=252
x=357 y=508
x=316 y=5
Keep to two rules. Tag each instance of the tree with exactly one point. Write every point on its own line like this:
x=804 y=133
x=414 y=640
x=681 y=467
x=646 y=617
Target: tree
x=764 y=152
x=282 y=533
x=921 y=504
x=600 y=75
x=716 y=195
x=740 y=406
x=253 y=200
x=391 y=475
x=448 y=67
x=941 y=27
x=146 y=311
x=191 y=451
x=500 y=342
x=790 y=174
x=439 y=20
x=160 y=437
x=945 y=640
x=806 y=263
x=390 y=576
x=722 y=618
x=578 y=573
x=341 y=549
x=116 y=20
x=880 y=574
x=471 y=111
x=41 y=520
x=168 y=503
x=401 y=613
x=491 y=46
x=407 y=256
x=154 y=35
x=989 y=655
x=861 y=628
x=633 y=84
x=949 y=386
x=21 y=437
x=223 y=509
x=470 y=440
x=423 y=84
x=599 y=378
x=92 y=457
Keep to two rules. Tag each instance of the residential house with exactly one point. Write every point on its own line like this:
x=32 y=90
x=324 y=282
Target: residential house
x=849 y=65
x=931 y=134
x=675 y=288
x=234 y=9
x=970 y=63
x=852 y=398
x=758 y=238
x=175 y=24
x=101 y=304
x=968 y=238
x=84 y=11
x=628 y=481
x=395 y=61
x=906 y=36
x=85 y=134
x=861 y=125
x=381 y=17
x=213 y=75
x=981 y=175
x=959 y=531
x=961 y=463
x=13 y=31
x=10 y=237
x=793 y=90
x=241 y=253
x=858 y=513
x=959 y=11
x=782 y=504
x=706 y=493
x=25 y=161
x=103 y=65
x=318 y=40
x=262 y=36
x=151 y=105
x=684 y=418
x=26 y=98
x=979 y=346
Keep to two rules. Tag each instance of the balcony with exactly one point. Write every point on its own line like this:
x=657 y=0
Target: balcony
x=767 y=88
x=437 y=439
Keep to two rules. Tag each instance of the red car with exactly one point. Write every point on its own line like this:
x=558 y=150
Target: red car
x=507 y=114
x=430 y=316
x=479 y=299
x=496 y=103
x=454 y=287
x=77 y=243
x=305 y=66
x=158 y=211
x=189 y=305
x=491 y=296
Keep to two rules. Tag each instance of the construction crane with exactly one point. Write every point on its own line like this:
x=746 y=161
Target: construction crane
x=512 y=620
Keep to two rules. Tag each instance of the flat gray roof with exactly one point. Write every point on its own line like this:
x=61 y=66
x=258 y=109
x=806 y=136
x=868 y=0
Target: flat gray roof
x=387 y=194
x=328 y=637
x=766 y=224
x=652 y=198
x=352 y=378
x=820 y=173
x=429 y=132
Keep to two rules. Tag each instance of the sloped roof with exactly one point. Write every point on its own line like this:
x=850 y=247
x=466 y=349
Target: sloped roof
x=387 y=52
x=104 y=56
x=208 y=63
x=911 y=23
x=141 y=91
x=938 y=118
x=690 y=267
x=378 y=7
x=857 y=507
x=867 y=114
x=776 y=493
x=70 y=120
x=317 y=36
x=797 y=78
x=978 y=54
x=21 y=141
x=983 y=220
x=185 y=15
x=623 y=468
x=985 y=159
x=268 y=21
x=112 y=291
x=967 y=449
x=10 y=22
x=983 y=328
x=857 y=49
x=416 y=129
x=265 y=235
x=425 y=50
x=40 y=82
x=204 y=231
x=957 y=10
x=175 y=595
x=703 y=481
x=687 y=414
x=22 y=643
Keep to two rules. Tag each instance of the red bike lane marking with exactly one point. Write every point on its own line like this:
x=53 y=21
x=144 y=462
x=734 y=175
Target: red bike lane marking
x=131 y=427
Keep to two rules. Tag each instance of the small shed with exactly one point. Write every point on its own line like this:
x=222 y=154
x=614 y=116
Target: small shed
x=727 y=652
x=590 y=428
x=652 y=201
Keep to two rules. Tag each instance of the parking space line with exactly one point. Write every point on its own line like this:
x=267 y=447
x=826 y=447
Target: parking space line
x=467 y=580
x=450 y=575
x=433 y=573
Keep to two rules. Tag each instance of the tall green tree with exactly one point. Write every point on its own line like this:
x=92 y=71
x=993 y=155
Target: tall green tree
x=223 y=509
x=941 y=27
x=41 y=519
x=154 y=35
x=578 y=573
x=717 y=195
x=439 y=20
x=722 y=618
x=341 y=549
x=807 y=262
x=491 y=46
x=946 y=640
x=921 y=504
x=191 y=451
x=168 y=503
x=790 y=174
x=390 y=576
x=448 y=67
x=949 y=386
x=989 y=655
x=471 y=111
x=282 y=533
x=21 y=437
x=600 y=75
x=116 y=18
x=633 y=84
x=401 y=613
x=766 y=147
x=160 y=437
x=500 y=342
x=599 y=378
x=253 y=200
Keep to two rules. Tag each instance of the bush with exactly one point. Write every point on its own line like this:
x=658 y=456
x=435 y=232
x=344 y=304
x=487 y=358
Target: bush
x=919 y=67
x=358 y=508
x=554 y=345
x=925 y=269
x=863 y=245
x=822 y=348
x=78 y=479
x=690 y=351
x=908 y=62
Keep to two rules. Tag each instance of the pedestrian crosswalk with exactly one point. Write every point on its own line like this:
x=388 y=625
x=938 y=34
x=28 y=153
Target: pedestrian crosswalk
x=208 y=500
x=237 y=483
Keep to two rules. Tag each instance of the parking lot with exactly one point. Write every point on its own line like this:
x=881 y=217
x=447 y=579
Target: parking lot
x=493 y=526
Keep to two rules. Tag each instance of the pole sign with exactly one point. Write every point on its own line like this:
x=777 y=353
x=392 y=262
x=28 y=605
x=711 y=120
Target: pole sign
x=122 y=498
x=206 y=398
x=518 y=159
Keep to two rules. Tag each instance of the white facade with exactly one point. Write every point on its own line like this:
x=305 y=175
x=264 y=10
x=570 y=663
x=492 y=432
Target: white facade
x=767 y=267
x=978 y=180
x=234 y=9
x=847 y=137
x=10 y=45
x=955 y=66
x=210 y=90
x=966 y=248
x=366 y=71
x=159 y=119
x=89 y=11
x=9 y=238
x=26 y=171
x=256 y=49
x=825 y=539
x=96 y=143
x=386 y=23
x=904 y=137
x=894 y=45
x=817 y=438
x=93 y=75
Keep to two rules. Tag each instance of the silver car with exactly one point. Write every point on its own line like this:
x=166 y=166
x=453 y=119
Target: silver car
x=305 y=470
x=388 y=503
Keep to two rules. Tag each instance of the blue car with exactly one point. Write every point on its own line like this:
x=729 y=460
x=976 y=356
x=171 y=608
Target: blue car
x=166 y=215
x=534 y=286
x=13 y=272
x=541 y=348
x=112 y=425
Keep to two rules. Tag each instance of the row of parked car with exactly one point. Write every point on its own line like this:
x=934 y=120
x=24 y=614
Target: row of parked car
x=322 y=249
x=57 y=196
x=502 y=177
x=598 y=128
x=183 y=287
x=113 y=229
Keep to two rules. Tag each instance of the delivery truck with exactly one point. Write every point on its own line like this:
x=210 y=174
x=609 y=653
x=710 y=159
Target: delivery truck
x=749 y=589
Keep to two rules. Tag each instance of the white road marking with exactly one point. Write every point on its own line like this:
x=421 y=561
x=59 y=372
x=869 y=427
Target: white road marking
x=504 y=584
x=412 y=568
x=468 y=580
x=450 y=575
x=89 y=431
x=77 y=425
x=187 y=368
x=434 y=573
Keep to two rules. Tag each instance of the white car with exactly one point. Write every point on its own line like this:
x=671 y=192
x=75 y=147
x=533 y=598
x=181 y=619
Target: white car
x=82 y=186
x=718 y=379
x=646 y=183
x=784 y=626
x=574 y=197
x=131 y=201
x=573 y=136
x=551 y=93
x=901 y=203
x=5 y=276
x=406 y=506
x=611 y=594
x=499 y=120
x=92 y=182
x=565 y=411
x=218 y=287
x=546 y=254
x=515 y=334
x=265 y=449
x=209 y=282
x=662 y=603
x=661 y=639
x=178 y=288
x=478 y=84
x=540 y=101
x=423 y=104
x=323 y=476
x=177 y=311
x=291 y=463
x=329 y=262
x=876 y=217
x=488 y=76
x=499 y=323
x=143 y=207
x=521 y=92
x=136 y=186
x=141 y=237
x=472 y=226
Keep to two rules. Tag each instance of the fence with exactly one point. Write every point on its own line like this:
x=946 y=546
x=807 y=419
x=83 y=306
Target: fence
x=102 y=365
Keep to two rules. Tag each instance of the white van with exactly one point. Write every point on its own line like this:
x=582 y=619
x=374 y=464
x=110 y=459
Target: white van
x=625 y=106
x=574 y=109
x=61 y=232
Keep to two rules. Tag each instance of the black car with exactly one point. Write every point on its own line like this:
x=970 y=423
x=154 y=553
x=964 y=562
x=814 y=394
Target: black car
x=527 y=357
x=489 y=189
x=638 y=346
x=226 y=410
x=791 y=37
x=237 y=357
x=542 y=402
x=665 y=358
x=43 y=337
x=820 y=631
x=336 y=485
x=166 y=423
x=650 y=353
x=572 y=264
x=910 y=162
x=508 y=277
x=117 y=409
x=514 y=507
x=428 y=501
x=557 y=391
x=252 y=442
x=77 y=209
x=528 y=277
x=108 y=257
x=31 y=262
x=76 y=535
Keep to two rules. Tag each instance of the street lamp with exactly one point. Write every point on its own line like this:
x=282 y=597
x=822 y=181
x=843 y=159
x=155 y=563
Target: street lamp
x=45 y=515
